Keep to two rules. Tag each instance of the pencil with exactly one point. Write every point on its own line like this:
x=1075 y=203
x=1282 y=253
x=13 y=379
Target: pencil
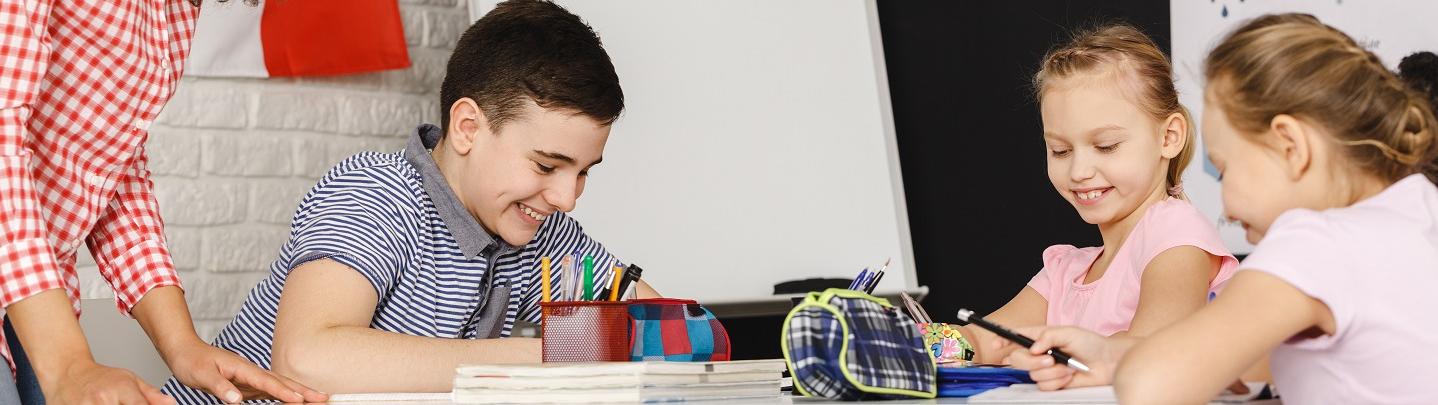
x=544 y=276
x=615 y=274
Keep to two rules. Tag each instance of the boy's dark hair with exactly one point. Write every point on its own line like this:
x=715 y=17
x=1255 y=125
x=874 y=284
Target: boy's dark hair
x=531 y=49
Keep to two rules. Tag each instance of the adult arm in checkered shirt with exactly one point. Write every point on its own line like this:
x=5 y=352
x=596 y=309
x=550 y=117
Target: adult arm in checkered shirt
x=129 y=248
x=33 y=289
x=34 y=295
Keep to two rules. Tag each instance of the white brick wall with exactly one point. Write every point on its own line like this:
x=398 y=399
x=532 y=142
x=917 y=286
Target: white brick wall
x=232 y=157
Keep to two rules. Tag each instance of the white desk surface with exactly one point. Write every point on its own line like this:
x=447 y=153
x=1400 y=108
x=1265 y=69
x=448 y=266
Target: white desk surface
x=784 y=400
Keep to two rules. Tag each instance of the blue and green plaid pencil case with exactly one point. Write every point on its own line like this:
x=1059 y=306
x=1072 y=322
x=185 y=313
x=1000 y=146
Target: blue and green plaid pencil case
x=847 y=345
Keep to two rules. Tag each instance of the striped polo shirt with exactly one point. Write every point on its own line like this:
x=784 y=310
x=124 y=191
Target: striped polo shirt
x=392 y=218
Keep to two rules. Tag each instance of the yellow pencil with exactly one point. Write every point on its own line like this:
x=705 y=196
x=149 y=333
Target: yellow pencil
x=544 y=276
x=618 y=273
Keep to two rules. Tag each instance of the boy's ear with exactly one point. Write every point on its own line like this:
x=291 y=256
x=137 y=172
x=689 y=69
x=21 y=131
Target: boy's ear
x=1175 y=135
x=1293 y=143
x=466 y=123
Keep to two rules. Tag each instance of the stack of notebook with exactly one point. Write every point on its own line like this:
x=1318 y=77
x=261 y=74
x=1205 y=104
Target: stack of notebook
x=618 y=381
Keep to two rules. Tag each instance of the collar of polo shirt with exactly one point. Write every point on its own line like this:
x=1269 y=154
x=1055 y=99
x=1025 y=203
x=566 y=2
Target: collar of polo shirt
x=472 y=238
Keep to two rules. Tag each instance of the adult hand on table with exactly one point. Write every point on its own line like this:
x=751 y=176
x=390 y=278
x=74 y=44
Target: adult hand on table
x=86 y=382
x=232 y=378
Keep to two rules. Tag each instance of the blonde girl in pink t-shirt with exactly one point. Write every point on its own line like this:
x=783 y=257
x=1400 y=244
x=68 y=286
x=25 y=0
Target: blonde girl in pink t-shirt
x=1117 y=143
x=1322 y=153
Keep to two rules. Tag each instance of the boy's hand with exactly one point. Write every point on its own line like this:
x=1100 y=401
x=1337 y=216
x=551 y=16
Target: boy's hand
x=1100 y=353
x=91 y=383
x=220 y=371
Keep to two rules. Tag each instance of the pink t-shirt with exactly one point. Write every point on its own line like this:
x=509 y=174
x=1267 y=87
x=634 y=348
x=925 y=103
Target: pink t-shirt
x=1375 y=265
x=1107 y=305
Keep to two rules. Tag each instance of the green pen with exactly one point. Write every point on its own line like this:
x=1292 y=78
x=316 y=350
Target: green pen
x=588 y=277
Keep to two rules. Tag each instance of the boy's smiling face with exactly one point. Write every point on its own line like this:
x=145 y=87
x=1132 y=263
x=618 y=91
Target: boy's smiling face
x=512 y=179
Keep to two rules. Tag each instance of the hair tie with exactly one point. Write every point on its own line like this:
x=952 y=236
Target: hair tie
x=1176 y=191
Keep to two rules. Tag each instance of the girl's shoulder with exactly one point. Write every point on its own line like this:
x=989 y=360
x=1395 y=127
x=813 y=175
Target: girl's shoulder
x=1175 y=222
x=1177 y=214
x=1062 y=257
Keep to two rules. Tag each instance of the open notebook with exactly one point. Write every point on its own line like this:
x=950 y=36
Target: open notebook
x=1030 y=394
x=392 y=397
x=650 y=381
x=599 y=382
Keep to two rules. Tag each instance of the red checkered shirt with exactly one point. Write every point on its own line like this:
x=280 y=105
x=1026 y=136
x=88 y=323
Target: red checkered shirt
x=80 y=83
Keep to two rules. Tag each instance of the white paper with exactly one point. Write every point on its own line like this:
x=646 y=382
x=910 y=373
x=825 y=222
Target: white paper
x=1030 y=394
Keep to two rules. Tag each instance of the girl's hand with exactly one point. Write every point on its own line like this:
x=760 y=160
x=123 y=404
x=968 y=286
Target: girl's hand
x=1100 y=353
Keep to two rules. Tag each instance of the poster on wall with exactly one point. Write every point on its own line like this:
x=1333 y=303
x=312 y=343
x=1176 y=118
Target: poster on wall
x=1390 y=29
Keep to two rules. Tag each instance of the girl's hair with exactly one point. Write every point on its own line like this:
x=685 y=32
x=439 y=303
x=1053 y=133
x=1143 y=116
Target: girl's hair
x=1294 y=64
x=1143 y=71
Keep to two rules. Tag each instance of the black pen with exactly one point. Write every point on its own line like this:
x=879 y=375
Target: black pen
x=872 y=284
x=968 y=316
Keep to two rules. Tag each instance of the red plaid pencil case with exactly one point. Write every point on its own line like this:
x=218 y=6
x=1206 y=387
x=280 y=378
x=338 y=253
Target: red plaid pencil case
x=672 y=329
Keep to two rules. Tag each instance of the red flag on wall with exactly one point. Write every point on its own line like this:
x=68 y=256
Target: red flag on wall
x=298 y=38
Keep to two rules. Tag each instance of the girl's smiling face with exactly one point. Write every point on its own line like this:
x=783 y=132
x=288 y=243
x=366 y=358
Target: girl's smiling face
x=1106 y=156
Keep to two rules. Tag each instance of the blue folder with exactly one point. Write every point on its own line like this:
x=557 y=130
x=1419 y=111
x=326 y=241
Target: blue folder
x=969 y=381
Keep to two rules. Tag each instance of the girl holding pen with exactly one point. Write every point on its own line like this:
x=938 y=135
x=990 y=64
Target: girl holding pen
x=1325 y=158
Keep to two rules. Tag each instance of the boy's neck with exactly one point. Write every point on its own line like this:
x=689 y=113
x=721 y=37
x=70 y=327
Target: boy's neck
x=448 y=164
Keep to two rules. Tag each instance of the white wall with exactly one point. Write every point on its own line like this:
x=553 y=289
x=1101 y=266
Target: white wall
x=231 y=158
x=1390 y=29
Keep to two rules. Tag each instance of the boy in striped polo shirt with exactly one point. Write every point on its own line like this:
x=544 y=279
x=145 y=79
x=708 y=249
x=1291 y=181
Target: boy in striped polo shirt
x=400 y=266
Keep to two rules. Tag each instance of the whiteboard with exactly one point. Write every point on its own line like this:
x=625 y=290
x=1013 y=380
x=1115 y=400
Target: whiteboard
x=1390 y=29
x=757 y=146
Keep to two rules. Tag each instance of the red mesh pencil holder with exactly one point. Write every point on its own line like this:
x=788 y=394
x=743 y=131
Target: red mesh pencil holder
x=585 y=331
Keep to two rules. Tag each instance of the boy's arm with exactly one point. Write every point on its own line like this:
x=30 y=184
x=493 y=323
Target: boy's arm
x=1026 y=309
x=323 y=339
x=1255 y=313
x=1174 y=285
x=645 y=291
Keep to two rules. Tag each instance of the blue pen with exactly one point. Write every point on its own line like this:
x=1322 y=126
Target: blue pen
x=859 y=281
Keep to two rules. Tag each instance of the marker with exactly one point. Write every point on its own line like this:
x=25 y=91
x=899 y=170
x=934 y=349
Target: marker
x=588 y=277
x=968 y=316
x=544 y=276
x=631 y=279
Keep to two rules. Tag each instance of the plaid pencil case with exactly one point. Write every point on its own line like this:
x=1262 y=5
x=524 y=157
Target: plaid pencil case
x=847 y=345
x=672 y=329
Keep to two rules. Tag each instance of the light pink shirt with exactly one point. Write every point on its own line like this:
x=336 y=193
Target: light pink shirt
x=1107 y=305
x=1375 y=265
